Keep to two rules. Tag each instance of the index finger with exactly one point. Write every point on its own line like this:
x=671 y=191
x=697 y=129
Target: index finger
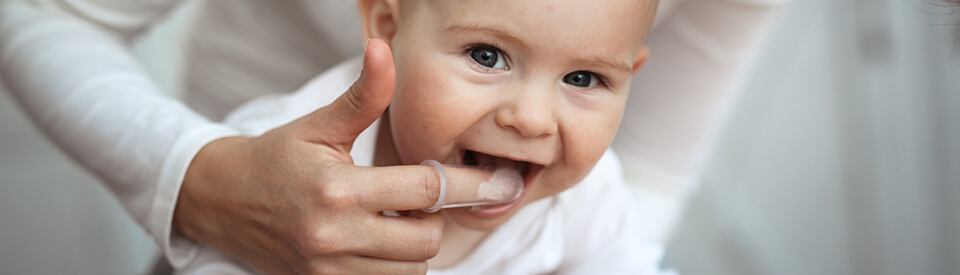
x=403 y=187
x=415 y=187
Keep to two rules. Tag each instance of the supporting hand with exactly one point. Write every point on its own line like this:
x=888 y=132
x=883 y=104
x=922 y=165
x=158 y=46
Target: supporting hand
x=291 y=200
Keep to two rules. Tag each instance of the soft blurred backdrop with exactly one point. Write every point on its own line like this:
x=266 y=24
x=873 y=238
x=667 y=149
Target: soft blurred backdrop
x=841 y=157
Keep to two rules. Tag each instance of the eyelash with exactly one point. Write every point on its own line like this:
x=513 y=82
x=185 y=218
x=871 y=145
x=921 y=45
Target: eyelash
x=469 y=48
x=600 y=79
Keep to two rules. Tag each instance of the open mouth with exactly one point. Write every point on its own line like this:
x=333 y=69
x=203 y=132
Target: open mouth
x=474 y=158
x=528 y=171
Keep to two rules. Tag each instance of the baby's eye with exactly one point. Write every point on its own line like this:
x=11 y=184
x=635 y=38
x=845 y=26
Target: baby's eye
x=581 y=79
x=488 y=57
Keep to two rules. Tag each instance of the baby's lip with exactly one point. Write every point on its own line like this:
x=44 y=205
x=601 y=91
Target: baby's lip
x=484 y=160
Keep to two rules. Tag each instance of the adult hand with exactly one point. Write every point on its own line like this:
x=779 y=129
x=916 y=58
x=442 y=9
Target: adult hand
x=291 y=200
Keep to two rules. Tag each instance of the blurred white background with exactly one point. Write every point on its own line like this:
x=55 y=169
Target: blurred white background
x=842 y=157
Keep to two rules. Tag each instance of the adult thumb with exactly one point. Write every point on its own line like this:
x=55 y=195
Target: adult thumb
x=343 y=120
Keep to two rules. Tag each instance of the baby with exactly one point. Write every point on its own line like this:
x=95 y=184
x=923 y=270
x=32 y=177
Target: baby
x=538 y=86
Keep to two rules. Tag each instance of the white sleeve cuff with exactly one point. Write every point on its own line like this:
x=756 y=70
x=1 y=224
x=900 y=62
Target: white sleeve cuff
x=178 y=249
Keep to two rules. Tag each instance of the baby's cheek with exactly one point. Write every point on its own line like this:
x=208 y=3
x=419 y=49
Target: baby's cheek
x=583 y=149
x=588 y=134
x=570 y=180
x=562 y=178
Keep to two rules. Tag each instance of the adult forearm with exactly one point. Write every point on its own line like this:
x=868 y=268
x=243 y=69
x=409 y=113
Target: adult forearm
x=680 y=98
x=81 y=87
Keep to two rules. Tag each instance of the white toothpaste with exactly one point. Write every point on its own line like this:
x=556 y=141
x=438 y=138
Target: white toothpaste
x=502 y=185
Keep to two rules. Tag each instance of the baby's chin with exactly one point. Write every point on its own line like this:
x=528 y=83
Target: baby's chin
x=465 y=218
x=536 y=190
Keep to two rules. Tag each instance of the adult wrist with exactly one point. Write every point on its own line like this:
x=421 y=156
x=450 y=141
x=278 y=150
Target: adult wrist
x=215 y=164
x=178 y=249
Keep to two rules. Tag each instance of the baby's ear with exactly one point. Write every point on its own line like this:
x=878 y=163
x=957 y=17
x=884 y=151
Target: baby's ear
x=379 y=18
x=641 y=58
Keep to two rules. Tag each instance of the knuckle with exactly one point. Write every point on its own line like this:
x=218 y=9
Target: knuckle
x=323 y=243
x=430 y=246
x=431 y=186
x=353 y=97
x=335 y=196
x=419 y=268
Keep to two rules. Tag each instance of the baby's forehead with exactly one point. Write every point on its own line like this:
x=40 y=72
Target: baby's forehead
x=639 y=13
x=558 y=20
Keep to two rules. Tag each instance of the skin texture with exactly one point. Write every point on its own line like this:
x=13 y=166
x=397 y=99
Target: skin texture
x=445 y=102
x=291 y=202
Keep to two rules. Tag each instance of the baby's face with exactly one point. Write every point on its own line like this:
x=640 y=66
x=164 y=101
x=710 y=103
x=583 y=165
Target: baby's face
x=539 y=86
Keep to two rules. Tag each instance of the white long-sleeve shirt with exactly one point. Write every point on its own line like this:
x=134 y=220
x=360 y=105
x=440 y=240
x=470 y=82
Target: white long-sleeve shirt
x=68 y=64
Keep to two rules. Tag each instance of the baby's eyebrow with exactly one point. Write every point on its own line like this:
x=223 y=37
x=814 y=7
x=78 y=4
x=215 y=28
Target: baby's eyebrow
x=603 y=61
x=499 y=33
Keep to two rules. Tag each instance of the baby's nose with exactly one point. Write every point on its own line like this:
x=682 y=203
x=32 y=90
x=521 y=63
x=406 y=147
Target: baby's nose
x=532 y=115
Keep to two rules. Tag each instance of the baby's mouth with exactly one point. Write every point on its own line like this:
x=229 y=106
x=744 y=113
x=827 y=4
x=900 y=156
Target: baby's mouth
x=528 y=171
x=474 y=158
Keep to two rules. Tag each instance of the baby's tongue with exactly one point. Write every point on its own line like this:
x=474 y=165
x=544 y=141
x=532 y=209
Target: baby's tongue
x=488 y=161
